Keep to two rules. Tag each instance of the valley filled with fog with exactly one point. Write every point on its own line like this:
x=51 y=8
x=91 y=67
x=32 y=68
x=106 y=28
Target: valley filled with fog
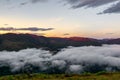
x=75 y=60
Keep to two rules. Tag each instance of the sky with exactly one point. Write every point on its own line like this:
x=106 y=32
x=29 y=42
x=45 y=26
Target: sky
x=61 y=18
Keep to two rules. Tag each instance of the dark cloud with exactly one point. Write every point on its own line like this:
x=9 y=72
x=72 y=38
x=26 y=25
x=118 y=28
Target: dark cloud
x=88 y=3
x=95 y=3
x=29 y=29
x=113 y=9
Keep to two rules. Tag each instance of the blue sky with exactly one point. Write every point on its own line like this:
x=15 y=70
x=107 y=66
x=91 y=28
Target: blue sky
x=60 y=15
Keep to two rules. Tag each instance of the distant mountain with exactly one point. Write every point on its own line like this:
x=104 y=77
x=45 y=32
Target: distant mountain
x=15 y=42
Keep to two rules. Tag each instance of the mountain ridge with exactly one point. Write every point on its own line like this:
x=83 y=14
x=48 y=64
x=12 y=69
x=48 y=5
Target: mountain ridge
x=15 y=42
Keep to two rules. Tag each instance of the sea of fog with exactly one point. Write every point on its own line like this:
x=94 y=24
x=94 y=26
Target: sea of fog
x=69 y=60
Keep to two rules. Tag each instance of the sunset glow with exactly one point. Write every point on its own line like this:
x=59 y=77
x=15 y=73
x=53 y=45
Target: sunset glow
x=64 y=19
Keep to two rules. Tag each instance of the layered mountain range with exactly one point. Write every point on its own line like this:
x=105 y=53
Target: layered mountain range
x=15 y=42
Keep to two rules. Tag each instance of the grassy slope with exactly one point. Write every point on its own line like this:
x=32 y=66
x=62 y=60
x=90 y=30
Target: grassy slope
x=98 y=76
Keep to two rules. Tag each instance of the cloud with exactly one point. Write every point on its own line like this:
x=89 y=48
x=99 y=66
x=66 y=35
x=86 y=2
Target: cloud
x=110 y=33
x=6 y=24
x=95 y=3
x=68 y=60
x=66 y=34
x=36 y=1
x=23 y=29
x=25 y=2
x=32 y=1
x=75 y=69
x=39 y=34
x=82 y=3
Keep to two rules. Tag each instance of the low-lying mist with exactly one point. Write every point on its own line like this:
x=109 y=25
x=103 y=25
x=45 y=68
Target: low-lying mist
x=69 y=60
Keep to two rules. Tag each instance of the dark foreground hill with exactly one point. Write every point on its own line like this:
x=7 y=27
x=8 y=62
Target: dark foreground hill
x=15 y=42
x=86 y=76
